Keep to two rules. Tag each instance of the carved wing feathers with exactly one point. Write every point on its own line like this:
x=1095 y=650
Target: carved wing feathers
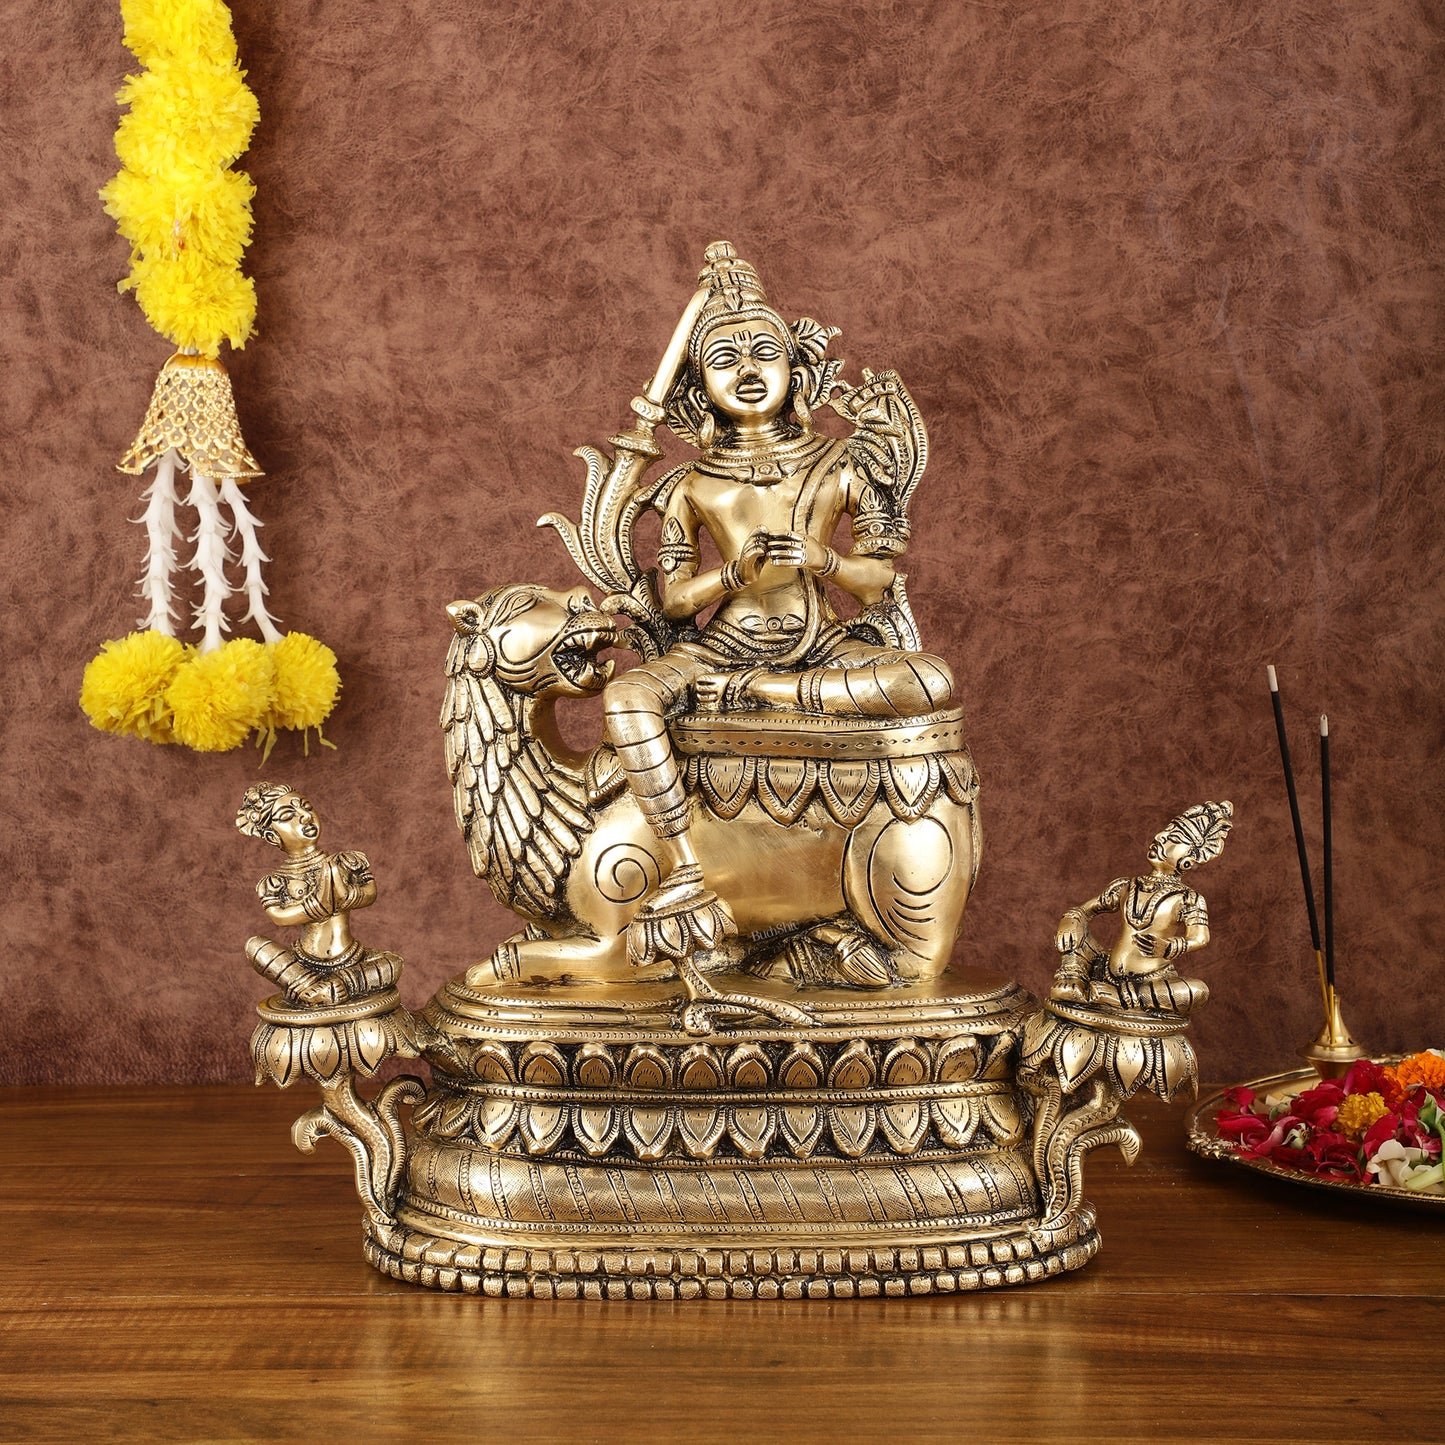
x=522 y=822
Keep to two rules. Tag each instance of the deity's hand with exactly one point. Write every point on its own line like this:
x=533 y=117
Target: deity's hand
x=796 y=549
x=1072 y=928
x=710 y=688
x=750 y=560
x=1148 y=944
x=358 y=885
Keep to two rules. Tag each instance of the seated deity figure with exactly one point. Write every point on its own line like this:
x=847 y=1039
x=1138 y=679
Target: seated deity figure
x=316 y=892
x=770 y=493
x=1162 y=918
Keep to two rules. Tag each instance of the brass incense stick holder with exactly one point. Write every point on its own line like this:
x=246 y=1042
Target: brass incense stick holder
x=724 y=1053
x=1333 y=1050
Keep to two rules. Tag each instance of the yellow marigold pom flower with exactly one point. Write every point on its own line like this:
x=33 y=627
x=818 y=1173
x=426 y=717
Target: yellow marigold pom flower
x=307 y=682
x=156 y=28
x=207 y=215
x=195 y=303
x=124 y=687
x=218 y=697
x=186 y=115
x=1358 y=1112
x=1424 y=1068
x=305 y=691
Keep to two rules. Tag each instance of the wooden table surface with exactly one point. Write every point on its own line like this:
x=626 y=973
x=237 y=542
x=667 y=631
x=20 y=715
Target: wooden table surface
x=176 y=1271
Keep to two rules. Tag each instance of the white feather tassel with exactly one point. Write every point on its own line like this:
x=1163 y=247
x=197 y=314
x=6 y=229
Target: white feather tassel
x=251 y=559
x=210 y=560
x=161 y=531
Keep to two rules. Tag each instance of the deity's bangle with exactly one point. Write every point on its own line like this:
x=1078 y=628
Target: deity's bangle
x=730 y=580
x=315 y=909
x=831 y=562
x=810 y=689
x=1175 y=948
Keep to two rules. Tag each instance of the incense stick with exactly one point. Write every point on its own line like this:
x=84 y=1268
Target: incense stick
x=1329 y=855
x=1299 y=835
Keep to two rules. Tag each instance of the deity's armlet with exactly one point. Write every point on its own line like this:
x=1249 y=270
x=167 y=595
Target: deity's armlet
x=677 y=552
x=1193 y=912
x=1110 y=899
x=271 y=890
x=877 y=530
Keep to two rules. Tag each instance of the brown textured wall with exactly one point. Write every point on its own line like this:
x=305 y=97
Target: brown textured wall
x=1164 y=278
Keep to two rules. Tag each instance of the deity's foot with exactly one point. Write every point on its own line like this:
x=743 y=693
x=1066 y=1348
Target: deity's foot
x=535 y=957
x=682 y=918
x=1071 y=982
x=832 y=954
x=1101 y=991
x=752 y=687
x=501 y=967
x=770 y=689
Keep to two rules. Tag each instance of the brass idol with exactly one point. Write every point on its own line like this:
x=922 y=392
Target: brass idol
x=724 y=1053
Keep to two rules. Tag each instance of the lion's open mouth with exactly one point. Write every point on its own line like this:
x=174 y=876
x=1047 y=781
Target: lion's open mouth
x=575 y=653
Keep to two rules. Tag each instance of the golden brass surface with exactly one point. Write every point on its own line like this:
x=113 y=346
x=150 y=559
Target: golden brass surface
x=1333 y=1050
x=1114 y=1022
x=724 y=1053
x=778 y=791
x=193 y=412
x=339 y=1014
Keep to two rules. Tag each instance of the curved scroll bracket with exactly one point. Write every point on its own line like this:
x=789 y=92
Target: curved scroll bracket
x=371 y=1132
x=1080 y=1063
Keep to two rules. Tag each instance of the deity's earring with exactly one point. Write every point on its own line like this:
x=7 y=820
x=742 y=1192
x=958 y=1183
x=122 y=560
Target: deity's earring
x=801 y=409
x=707 y=426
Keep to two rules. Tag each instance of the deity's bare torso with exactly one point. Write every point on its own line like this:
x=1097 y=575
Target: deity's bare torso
x=806 y=494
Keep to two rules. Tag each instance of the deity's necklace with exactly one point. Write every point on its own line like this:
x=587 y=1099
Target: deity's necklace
x=1159 y=882
x=765 y=461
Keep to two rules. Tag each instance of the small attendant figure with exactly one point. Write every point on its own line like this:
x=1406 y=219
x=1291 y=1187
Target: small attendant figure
x=1162 y=919
x=315 y=891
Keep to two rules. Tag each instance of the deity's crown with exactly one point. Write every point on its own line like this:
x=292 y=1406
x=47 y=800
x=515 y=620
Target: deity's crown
x=737 y=295
x=1204 y=827
x=254 y=817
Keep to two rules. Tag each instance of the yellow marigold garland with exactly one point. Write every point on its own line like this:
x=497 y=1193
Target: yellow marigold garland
x=187 y=216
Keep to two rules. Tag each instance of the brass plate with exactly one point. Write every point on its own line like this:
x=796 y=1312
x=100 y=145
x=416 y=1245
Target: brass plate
x=1204 y=1140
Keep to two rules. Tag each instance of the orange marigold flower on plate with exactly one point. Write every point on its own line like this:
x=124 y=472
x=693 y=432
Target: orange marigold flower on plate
x=1423 y=1068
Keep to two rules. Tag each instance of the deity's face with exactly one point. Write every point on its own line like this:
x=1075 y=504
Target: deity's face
x=1168 y=851
x=745 y=370
x=294 y=824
